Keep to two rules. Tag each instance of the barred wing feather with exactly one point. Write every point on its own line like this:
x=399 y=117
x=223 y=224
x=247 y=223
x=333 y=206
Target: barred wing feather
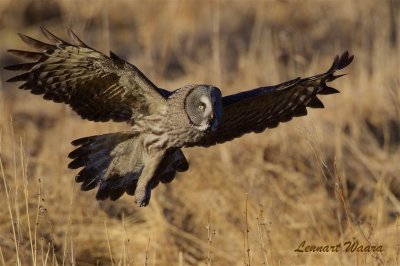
x=97 y=87
x=258 y=109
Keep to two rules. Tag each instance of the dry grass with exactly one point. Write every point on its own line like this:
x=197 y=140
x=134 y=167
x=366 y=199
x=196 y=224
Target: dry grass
x=326 y=178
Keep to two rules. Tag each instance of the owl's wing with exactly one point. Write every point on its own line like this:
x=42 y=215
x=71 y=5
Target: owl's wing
x=266 y=107
x=97 y=87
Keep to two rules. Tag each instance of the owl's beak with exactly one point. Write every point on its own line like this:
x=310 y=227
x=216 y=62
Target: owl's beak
x=213 y=127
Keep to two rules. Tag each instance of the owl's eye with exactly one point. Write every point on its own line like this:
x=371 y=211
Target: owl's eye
x=201 y=106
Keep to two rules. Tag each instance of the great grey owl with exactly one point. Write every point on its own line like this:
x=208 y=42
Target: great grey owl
x=102 y=88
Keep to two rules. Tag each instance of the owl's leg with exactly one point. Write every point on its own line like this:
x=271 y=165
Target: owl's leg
x=143 y=187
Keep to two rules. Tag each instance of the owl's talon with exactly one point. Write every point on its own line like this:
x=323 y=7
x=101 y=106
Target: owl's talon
x=143 y=195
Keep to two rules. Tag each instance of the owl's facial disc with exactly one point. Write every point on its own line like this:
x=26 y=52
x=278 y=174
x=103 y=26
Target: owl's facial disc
x=203 y=106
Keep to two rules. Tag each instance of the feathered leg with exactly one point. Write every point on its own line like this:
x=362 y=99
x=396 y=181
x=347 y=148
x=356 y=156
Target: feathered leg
x=143 y=186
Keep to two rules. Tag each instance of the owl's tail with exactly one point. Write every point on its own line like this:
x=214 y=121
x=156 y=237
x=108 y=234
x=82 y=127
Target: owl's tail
x=115 y=162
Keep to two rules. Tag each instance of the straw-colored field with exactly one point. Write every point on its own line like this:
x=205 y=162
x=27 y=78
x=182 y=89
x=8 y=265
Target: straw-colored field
x=327 y=178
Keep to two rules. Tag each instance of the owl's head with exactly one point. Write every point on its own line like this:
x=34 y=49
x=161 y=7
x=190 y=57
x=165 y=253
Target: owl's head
x=203 y=107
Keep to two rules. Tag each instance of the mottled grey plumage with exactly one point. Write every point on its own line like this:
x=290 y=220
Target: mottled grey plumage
x=102 y=88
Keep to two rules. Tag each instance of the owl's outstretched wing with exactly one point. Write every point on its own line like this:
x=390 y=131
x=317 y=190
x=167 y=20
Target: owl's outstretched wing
x=266 y=107
x=97 y=87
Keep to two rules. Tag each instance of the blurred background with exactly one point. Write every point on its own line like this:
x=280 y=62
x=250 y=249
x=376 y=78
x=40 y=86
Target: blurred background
x=327 y=178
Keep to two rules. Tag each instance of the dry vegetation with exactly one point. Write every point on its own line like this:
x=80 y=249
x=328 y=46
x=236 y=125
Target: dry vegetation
x=326 y=178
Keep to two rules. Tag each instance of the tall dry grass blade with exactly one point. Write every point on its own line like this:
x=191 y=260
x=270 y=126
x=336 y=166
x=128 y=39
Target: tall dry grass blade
x=146 y=253
x=180 y=258
x=154 y=254
x=26 y=197
x=108 y=244
x=260 y=222
x=341 y=231
x=73 y=262
x=14 y=231
x=124 y=240
x=216 y=42
x=2 y=257
x=255 y=42
x=16 y=221
x=340 y=194
x=68 y=223
x=1 y=139
x=53 y=249
x=397 y=250
x=209 y=238
x=42 y=250
x=49 y=247
x=247 y=243
x=37 y=221
x=106 y=26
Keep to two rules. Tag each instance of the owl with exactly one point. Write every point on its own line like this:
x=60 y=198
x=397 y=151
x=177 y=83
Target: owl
x=162 y=122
